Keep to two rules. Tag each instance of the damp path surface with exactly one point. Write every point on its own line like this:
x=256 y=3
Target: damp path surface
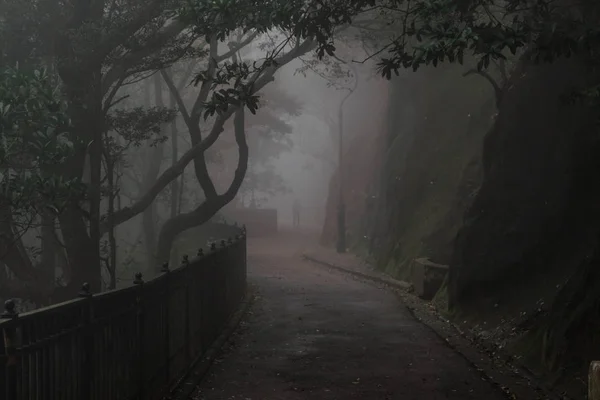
x=316 y=334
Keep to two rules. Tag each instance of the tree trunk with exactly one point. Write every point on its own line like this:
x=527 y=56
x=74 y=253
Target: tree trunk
x=180 y=196
x=12 y=251
x=95 y=274
x=31 y=283
x=182 y=222
x=112 y=240
x=149 y=225
x=82 y=252
x=82 y=85
x=149 y=215
x=174 y=158
x=49 y=245
x=83 y=245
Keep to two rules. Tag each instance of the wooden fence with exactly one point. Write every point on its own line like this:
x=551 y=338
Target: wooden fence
x=131 y=343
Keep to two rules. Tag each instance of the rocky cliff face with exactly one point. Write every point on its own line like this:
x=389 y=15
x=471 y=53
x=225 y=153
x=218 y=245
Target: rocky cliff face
x=437 y=122
x=532 y=203
x=531 y=236
x=536 y=156
x=506 y=196
x=407 y=188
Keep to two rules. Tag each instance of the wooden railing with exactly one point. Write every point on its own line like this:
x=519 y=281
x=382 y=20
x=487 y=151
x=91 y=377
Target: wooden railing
x=131 y=343
x=427 y=277
x=594 y=381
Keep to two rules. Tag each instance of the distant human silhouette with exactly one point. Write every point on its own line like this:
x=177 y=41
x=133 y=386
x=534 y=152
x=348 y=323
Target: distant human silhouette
x=296 y=212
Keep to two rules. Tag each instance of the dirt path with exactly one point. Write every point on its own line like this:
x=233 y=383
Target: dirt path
x=315 y=334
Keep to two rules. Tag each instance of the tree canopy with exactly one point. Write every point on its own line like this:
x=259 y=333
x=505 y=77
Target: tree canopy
x=33 y=128
x=66 y=66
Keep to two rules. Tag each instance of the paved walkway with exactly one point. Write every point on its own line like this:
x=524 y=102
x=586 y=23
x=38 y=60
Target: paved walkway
x=316 y=334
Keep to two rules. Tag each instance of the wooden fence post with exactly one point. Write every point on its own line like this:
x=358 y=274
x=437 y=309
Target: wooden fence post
x=139 y=328
x=594 y=381
x=165 y=270
x=87 y=374
x=10 y=347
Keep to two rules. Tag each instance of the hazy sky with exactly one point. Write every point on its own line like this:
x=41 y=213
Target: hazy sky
x=307 y=176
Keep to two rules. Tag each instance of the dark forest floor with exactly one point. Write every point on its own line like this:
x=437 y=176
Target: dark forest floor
x=318 y=334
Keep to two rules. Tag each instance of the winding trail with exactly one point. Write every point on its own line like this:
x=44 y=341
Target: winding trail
x=316 y=334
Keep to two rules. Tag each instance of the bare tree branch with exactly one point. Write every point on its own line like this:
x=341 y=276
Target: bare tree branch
x=237 y=47
x=192 y=119
x=175 y=93
x=498 y=92
x=108 y=100
x=209 y=207
x=205 y=87
x=120 y=69
x=120 y=34
x=176 y=89
x=177 y=169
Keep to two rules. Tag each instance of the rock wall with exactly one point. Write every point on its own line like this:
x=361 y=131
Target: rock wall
x=502 y=196
x=506 y=196
x=437 y=122
x=530 y=217
x=407 y=187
